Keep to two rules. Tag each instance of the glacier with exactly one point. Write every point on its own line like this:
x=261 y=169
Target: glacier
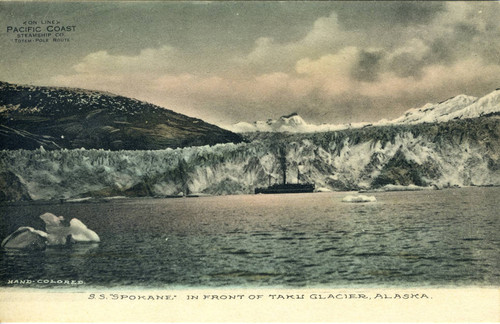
x=464 y=152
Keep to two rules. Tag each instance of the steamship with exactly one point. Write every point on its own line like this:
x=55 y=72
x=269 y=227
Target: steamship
x=281 y=188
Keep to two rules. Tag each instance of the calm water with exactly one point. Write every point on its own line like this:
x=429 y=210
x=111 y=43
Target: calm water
x=439 y=238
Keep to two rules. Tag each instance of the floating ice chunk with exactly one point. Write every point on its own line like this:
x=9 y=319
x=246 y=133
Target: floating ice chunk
x=81 y=233
x=410 y=187
x=116 y=197
x=76 y=200
x=359 y=198
x=51 y=219
x=60 y=230
x=57 y=231
x=322 y=189
x=25 y=238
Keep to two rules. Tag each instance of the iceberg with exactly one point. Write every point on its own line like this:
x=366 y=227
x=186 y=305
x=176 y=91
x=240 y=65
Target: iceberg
x=26 y=238
x=81 y=233
x=410 y=187
x=58 y=232
x=61 y=232
x=359 y=198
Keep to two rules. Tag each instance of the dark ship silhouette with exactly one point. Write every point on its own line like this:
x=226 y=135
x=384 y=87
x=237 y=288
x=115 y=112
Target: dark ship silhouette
x=281 y=188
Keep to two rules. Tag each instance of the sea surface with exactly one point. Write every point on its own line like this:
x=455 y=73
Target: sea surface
x=420 y=238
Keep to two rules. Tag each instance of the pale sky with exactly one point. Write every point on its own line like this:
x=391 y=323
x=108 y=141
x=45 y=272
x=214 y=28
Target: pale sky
x=224 y=62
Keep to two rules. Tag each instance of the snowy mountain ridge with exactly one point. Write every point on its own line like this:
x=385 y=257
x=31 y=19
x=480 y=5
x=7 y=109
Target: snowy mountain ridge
x=458 y=107
x=289 y=123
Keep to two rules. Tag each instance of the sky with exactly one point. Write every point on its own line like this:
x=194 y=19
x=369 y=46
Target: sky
x=225 y=62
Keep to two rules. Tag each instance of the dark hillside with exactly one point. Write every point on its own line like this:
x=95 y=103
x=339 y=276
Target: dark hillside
x=32 y=116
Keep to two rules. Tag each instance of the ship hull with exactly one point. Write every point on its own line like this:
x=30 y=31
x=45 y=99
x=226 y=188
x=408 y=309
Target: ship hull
x=286 y=188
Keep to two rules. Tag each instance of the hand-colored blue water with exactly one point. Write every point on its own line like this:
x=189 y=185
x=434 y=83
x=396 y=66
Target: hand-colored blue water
x=439 y=238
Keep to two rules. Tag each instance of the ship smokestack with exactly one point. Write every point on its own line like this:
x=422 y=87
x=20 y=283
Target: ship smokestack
x=283 y=163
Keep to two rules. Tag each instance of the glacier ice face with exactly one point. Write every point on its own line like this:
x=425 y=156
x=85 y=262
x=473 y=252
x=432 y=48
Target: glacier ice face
x=458 y=153
x=451 y=143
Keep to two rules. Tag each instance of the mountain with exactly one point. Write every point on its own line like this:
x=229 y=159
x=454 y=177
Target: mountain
x=289 y=123
x=55 y=118
x=459 y=107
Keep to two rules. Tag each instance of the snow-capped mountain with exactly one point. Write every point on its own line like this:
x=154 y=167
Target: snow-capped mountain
x=432 y=113
x=459 y=107
x=33 y=116
x=289 y=123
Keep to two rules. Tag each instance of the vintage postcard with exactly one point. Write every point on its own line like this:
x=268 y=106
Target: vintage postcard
x=249 y=161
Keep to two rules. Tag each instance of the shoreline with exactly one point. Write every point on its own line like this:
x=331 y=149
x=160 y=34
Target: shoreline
x=81 y=200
